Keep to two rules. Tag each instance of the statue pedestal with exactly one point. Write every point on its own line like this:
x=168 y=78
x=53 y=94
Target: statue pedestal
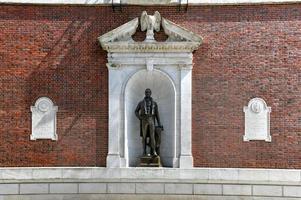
x=149 y=161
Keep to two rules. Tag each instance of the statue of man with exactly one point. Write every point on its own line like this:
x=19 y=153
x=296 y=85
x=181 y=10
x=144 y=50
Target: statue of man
x=147 y=112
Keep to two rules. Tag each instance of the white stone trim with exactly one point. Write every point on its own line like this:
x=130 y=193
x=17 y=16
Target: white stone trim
x=186 y=159
x=147 y=2
x=173 y=59
x=212 y=175
x=240 y=183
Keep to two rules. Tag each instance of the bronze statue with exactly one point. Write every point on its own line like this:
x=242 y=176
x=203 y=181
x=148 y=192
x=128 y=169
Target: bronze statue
x=147 y=112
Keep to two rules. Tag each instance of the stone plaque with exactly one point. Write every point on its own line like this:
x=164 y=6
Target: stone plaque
x=43 y=119
x=257 y=120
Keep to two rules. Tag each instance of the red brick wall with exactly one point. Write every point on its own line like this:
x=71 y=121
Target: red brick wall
x=248 y=51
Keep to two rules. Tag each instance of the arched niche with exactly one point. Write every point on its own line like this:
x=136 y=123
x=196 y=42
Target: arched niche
x=134 y=66
x=163 y=92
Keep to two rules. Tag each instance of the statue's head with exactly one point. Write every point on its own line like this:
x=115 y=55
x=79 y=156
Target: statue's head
x=148 y=92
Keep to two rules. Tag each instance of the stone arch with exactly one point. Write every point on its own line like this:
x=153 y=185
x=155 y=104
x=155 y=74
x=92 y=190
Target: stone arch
x=164 y=93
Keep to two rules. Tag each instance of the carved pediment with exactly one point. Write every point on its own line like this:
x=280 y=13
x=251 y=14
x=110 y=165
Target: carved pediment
x=177 y=33
x=120 y=34
x=179 y=38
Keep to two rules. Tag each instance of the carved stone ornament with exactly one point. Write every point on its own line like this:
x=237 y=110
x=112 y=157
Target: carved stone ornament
x=150 y=23
x=43 y=119
x=257 y=120
x=179 y=38
x=257 y=106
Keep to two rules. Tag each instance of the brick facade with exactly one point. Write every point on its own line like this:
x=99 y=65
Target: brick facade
x=248 y=51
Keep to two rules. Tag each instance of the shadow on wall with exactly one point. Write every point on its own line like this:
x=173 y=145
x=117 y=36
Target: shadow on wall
x=69 y=74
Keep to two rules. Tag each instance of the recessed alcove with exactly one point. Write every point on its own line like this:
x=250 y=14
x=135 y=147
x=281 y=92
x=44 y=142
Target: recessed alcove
x=163 y=66
x=163 y=92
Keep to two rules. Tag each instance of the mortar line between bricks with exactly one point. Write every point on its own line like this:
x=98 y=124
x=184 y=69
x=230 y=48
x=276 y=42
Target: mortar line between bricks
x=77 y=188
x=252 y=190
x=282 y=190
x=19 y=188
x=48 y=188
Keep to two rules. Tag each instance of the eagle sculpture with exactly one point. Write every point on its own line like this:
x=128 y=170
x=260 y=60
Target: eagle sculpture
x=150 y=23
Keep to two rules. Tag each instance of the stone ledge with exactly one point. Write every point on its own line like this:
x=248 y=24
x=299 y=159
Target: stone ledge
x=204 y=175
x=175 y=188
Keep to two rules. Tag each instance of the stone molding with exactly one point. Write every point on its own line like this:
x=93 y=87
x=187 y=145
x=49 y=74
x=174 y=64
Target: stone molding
x=151 y=47
x=132 y=174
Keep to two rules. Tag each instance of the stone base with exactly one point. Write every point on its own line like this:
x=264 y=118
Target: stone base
x=97 y=183
x=113 y=161
x=186 y=161
x=149 y=161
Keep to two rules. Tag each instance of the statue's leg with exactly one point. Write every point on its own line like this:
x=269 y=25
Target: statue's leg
x=152 y=136
x=144 y=132
x=158 y=140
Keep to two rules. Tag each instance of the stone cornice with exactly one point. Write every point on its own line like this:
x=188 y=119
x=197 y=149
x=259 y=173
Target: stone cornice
x=151 y=47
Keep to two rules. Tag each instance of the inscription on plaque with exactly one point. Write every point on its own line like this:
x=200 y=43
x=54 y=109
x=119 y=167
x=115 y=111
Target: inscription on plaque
x=257 y=120
x=43 y=119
